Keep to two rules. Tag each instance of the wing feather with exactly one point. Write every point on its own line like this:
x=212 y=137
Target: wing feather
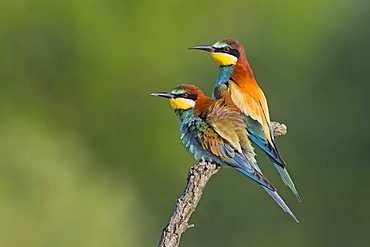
x=253 y=104
x=226 y=137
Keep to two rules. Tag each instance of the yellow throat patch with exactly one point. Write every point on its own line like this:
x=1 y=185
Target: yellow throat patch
x=182 y=104
x=223 y=59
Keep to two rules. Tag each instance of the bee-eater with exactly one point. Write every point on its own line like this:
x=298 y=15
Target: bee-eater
x=244 y=92
x=214 y=131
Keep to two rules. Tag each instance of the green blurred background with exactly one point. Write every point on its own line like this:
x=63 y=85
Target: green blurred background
x=87 y=158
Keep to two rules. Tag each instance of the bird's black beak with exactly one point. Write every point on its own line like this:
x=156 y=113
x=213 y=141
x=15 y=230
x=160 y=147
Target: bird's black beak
x=208 y=48
x=165 y=95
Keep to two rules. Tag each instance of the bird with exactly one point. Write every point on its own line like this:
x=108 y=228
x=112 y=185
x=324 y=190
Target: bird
x=236 y=76
x=213 y=131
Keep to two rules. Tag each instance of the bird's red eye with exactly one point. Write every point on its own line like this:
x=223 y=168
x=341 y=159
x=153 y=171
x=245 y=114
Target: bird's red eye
x=226 y=49
x=184 y=95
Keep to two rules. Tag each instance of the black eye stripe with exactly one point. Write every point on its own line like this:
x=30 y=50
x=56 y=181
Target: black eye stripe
x=219 y=49
x=190 y=96
x=233 y=52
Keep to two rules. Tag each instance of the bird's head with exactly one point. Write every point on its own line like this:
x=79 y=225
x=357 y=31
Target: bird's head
x=183 y=97
x=225 y=52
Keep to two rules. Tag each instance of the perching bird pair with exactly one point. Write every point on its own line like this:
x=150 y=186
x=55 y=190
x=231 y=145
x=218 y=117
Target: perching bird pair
x=222 y=129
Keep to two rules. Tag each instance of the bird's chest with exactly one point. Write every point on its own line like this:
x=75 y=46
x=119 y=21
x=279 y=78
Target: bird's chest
x=192 y=130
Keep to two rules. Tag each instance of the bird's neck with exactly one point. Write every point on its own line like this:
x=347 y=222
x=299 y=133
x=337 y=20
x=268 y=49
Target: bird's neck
x=185 y=115
x=243 y=72
x=224 y=74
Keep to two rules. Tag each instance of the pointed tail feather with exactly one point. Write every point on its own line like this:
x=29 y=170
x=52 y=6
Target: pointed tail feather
x=276 y=196
x=286 y=179
x=257 y=177
x=281 y=203
x=250 y=169
x=257 y=135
